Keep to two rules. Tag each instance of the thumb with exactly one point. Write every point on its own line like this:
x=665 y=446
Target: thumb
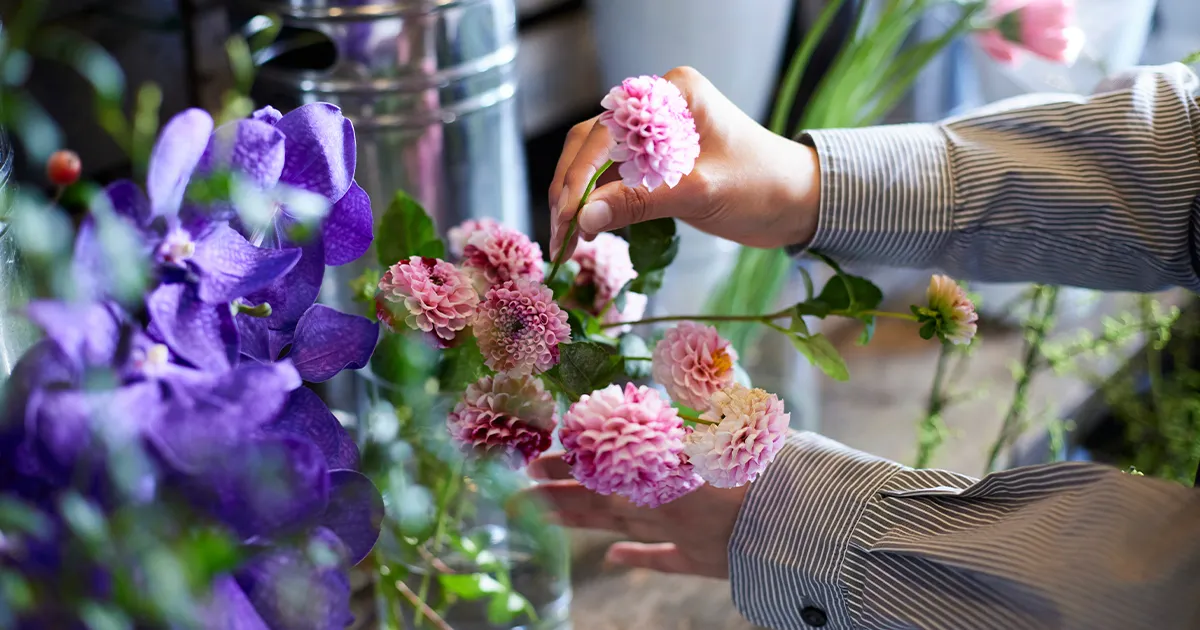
x=615 y=205
x=661 y=557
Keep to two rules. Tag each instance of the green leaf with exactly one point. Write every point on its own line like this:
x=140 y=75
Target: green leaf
x=504 y=608
x=928 y=329
x=17 y=516
x=406 y=230
x=562 y=282
x=619 y=299
x=814 y=307
x=364 y=287
x=850 y=294
x=648 y=283
x=868 y=330
x=799 y=326
x=583 y=324
x=652 y=247
x=1192 y=59
x=634 y=346
x=461 y=366
x=585 y=366
x=470 y=586
x=821 y=353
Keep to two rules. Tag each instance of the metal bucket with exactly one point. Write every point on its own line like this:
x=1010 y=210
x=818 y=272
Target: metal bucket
x=429 y=86
x=16 y=333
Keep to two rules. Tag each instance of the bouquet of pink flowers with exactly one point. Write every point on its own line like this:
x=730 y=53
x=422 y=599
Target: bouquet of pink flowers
x=536 y=338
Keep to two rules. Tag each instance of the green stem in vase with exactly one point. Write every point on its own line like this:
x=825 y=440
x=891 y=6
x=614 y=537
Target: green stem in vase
x=439 y=529
x=562 y=250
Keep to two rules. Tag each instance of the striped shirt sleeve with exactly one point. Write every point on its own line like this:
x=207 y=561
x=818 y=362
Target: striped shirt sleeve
x=833 y=538
x=1100 y=192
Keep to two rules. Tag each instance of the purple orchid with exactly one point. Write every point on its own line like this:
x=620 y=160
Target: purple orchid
x=319 y=157
x=249 y=447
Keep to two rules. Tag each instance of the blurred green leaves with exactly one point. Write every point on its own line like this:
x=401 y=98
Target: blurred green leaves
x=653 y=245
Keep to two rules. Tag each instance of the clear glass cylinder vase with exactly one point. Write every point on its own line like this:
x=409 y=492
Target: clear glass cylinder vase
x=16 y=333
x=460 y=546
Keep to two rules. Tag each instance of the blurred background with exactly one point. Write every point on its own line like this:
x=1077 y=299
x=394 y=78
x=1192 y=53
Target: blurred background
x=466 y=105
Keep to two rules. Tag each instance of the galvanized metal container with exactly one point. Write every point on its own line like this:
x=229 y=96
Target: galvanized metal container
x=16 y=333
x=429 y=86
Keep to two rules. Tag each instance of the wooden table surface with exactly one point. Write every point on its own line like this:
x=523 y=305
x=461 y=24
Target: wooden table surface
x=615 y=598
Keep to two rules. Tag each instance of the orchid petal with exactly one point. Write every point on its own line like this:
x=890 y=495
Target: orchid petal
x=228 y=608
x=354 y=513
x=306 y=416
x=328 y=341
x=291 y=295
x=301 y=589
x=201 y=334
x=250 y=148
x=320 y=150
x=87 y=333
x=174 y=159
x=348 y=228
x=230 y=267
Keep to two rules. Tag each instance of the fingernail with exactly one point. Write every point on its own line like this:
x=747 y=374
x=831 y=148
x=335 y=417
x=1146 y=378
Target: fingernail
x=562 y=205
x=595 y=217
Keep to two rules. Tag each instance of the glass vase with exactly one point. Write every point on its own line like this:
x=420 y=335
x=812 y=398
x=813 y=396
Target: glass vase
x=460 y=546
x=16 y=333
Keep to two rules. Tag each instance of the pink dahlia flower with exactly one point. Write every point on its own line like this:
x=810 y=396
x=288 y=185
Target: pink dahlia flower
x=627 y=442
x=429 y=294
x=693 y=362
x=656 y=138
x=502 y=254
x=519 y=327
x=955 y=310
x=1042 y=27
x=604 y=269
x=506 y=415
x=457 y=237
x=749 y=428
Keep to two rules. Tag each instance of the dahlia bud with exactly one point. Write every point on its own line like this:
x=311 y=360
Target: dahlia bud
x=63 y=168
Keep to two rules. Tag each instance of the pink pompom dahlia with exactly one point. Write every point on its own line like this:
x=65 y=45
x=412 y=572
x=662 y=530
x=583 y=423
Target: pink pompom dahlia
x=457 y=236
x=750 y=426
x=506 y=415
x=427 y=294
x=693 y=362
x=627 y=442
x=519 y=326
x=955 y=311
x=498 y=255
x=1042 y=27
x=656 y=138
x=604 y=269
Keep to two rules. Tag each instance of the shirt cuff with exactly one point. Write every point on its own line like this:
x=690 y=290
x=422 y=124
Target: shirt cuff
x=786 y=552
x=887 y=194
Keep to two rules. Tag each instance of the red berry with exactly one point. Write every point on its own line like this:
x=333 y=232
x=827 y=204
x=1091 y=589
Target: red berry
x=63 y=168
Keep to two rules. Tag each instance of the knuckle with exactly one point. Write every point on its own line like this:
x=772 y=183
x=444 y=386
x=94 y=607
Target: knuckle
x=685 y=75
x=579 y=132
x=636 y=202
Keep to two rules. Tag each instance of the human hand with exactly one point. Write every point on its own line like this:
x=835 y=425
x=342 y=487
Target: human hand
x=689 y=535
x=749 y=185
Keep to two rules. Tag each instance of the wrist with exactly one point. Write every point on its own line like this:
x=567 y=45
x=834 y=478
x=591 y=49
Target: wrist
x=800 y=192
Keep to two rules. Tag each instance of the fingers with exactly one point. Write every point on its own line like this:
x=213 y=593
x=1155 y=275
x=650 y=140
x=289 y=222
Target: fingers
x=549 y=467
x=592 y=154
x=615 y=206
x=662 y=557
x=575 y=506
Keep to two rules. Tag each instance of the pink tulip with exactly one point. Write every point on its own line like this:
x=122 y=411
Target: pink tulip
x=1042 y=27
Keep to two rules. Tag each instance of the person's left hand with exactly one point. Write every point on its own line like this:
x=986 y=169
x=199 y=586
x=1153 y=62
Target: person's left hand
x=689 y=535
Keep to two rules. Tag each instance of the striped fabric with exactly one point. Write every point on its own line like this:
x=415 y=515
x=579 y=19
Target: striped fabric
x=1100 y=192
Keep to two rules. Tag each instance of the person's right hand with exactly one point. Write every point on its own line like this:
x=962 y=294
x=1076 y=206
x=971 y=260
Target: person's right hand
x=749 y=185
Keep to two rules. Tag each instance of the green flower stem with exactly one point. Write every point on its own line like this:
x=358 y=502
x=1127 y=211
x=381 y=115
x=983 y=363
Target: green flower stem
x=637 y=358
x=932 y=431
x=562 y=251
x=439 y=530
x=761 y=319
x=1037 y=327
x=905 y=316
x=697 y=419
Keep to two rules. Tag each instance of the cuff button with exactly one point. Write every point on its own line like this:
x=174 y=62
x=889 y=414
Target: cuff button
x=814 y=616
